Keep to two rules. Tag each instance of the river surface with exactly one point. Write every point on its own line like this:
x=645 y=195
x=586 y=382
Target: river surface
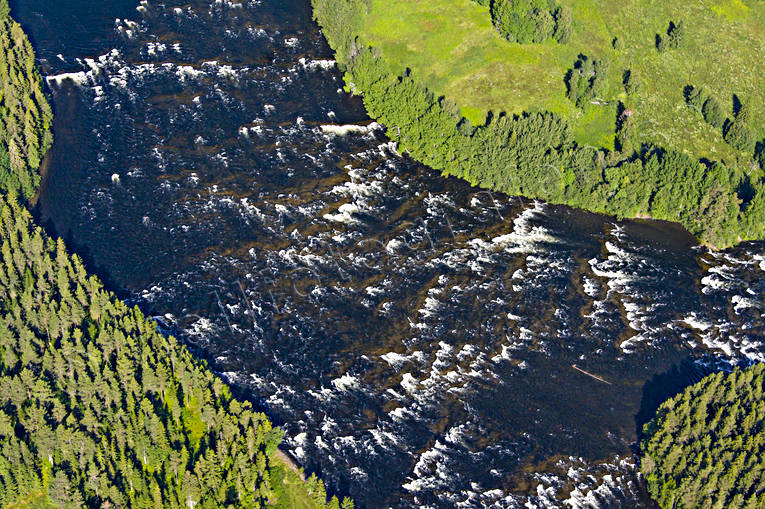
x=415 y=337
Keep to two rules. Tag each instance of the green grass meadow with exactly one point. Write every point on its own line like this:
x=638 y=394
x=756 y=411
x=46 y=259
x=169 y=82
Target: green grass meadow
x=290 y=488
x=453 y=49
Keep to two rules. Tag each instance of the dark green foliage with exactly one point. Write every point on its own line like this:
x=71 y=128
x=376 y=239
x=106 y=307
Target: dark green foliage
x=534 y=155
x=695 y=97
x=531 y=21
x=563 y=24
x=586 y=80
x=347 y=13
x=675 y=34
x=736 y=133
x=625 y=133
x=754 y=214
x=739 y=135
x=25 y=116
x=673 y=39
x=631 y=82
x=5 y=160
x=490 y=155
x=713 y=112
x=96 y=406
x=744 y=113
x=697 y=195
x=705 y=446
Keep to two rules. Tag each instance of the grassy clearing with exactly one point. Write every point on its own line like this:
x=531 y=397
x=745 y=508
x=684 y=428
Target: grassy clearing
x=35 y=501
x=291 y=491
x=452 y=48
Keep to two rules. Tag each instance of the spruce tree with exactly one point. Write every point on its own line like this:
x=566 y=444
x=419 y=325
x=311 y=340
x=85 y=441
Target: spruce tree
x=713 y=112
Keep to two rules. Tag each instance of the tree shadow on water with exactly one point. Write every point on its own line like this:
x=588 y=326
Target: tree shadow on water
x=663 y=386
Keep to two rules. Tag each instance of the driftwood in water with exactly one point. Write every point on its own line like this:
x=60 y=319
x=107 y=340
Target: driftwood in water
x=596 y=377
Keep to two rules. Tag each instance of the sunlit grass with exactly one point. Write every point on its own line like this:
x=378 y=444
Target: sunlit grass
x=290 y=489
x=453 y=49
x=34 y=501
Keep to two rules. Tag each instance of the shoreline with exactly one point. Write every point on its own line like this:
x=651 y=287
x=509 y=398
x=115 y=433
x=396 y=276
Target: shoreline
x=289 y=462
x=120 y=335
x=544 y=164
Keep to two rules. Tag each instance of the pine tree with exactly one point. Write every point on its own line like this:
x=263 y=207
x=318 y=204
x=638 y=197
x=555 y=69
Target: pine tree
x=713 y=112
x=738 y=135
x=563 y=24
x=675 y=34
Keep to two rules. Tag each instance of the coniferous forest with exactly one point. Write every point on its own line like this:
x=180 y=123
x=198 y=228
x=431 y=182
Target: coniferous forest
x=535 y=154
x=704 y=449
x=705 y=446
x=97 y=408
x=25 y=115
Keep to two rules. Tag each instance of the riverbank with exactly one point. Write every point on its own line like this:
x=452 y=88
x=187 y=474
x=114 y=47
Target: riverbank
x=163 y=430
x=25 y=115
x=536 y=154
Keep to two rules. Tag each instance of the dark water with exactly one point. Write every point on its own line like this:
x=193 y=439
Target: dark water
x=415 y=337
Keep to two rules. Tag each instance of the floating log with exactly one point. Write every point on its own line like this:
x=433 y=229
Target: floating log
x=596 y=377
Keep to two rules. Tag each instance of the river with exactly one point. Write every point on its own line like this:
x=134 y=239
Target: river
x=421 y=342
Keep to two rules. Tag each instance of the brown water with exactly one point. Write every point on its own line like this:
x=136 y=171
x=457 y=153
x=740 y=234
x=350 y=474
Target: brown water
x=414 y=336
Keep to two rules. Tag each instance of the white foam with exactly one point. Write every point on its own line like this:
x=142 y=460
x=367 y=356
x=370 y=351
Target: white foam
x=344 y=130
x=740 y=303
x=396 y=360
x=80 y=78
x=697 y=323
x=317 y=64
x=345 y=214
x=409 y=383
x=590 y=287
x=430 y=308
x=346 y=382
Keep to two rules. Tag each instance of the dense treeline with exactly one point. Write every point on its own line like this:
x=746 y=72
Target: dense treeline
x=587 y=79
x=530 y=21
x=737 y=132
x=705 y=446
x=534 y=155
x=97 y=408
x=25 y=115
